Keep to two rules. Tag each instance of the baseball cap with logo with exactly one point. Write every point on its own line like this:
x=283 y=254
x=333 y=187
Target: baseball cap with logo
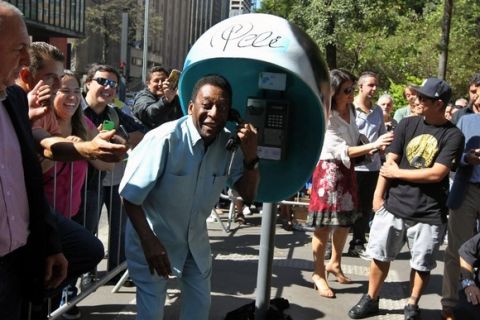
x=436 y=89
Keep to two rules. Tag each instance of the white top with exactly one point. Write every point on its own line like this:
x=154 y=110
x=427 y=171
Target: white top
x=339 y=136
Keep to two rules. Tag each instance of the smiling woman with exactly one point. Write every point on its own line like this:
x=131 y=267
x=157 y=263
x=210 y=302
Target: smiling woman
x=65 y=195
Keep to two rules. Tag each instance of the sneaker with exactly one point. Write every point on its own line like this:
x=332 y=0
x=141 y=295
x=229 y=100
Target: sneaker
x=356 y=251
x=246 y=211
x=366 y=307
x=88 y=279
x=68 y=293
x=212 y=218
x=411 y=312
x=72 y=313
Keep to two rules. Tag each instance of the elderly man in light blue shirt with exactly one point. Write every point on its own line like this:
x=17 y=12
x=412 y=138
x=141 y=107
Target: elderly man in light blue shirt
x=172 y=181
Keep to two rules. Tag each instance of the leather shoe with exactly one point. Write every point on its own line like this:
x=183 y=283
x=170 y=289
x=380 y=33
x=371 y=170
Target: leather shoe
x=366 y=307
x=356 y=250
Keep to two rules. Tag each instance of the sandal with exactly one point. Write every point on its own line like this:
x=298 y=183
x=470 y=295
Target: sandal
x=322 y=287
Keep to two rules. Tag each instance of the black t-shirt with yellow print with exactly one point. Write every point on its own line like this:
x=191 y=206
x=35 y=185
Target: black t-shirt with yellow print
x=420 y=145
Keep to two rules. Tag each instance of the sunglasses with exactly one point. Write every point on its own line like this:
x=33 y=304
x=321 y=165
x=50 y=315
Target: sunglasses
x=106 y=82
x=348 y=90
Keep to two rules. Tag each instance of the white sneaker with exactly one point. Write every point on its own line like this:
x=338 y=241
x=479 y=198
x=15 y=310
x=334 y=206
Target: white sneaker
x=212 y=218
x=246 y=211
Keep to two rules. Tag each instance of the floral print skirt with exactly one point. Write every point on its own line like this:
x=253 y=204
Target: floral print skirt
x=334 y=197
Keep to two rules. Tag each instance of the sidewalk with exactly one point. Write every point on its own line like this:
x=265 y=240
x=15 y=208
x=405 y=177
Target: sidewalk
x=235 y=257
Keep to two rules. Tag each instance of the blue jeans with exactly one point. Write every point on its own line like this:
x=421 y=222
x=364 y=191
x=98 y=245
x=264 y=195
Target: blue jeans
x=82 y=249
x=89 y=216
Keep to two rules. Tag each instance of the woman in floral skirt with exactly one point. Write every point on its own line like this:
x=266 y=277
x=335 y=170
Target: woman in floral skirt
x=334 y=200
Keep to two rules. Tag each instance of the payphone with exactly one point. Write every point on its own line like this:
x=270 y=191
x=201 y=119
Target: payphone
x=270 y=117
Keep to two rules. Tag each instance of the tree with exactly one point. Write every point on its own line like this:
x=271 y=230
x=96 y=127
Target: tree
x=447 y=18
x=279 y=8
x=398 y=39
x=104 y=18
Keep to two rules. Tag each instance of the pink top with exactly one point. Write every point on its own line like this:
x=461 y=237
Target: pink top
x=49 y=123
x=64 y=183
x=14 y=211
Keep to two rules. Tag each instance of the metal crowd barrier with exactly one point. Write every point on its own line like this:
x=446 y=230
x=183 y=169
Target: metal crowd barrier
x=85 y=292
x=231 y=210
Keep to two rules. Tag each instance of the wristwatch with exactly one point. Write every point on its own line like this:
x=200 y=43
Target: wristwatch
x=467 y=283
x=252 y=165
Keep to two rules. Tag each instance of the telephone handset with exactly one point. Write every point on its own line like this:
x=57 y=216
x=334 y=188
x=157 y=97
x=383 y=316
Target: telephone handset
x=233 y=142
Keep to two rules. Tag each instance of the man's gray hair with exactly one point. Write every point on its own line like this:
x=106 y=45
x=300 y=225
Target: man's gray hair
x=385 y=96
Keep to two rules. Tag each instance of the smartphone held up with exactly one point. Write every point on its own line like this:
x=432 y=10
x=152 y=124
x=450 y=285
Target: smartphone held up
x=173 y=78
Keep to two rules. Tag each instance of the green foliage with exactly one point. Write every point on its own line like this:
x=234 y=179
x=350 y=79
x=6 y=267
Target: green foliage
x=396 y=91
x=397 y=39
x=104 y=17
x=278 y=8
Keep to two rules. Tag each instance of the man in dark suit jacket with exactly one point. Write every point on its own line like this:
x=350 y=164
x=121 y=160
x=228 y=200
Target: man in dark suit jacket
x=31 y=258
x=41 y=258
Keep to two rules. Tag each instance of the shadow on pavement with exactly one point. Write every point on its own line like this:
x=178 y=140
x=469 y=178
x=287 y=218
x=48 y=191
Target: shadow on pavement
x=109 y=311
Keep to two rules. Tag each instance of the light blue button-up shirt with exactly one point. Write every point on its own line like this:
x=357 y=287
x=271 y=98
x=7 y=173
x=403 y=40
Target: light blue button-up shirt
x=370 y=124
x=177 y=182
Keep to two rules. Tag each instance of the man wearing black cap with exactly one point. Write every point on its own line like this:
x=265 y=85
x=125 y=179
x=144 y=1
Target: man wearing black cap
x=410 y=197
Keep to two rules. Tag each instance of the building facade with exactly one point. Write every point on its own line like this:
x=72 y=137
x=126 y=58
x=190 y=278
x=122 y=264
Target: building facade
x=178 y=24
x=54 y=21
x=238 y=7
x=73 y=26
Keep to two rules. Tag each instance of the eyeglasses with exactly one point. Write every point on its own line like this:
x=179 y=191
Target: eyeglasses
x=348 y=90
x=106 y=82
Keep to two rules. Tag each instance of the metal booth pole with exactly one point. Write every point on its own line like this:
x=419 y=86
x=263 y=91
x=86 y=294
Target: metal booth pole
x=265 y=261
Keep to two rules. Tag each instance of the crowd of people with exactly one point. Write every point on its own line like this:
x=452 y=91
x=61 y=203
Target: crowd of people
x=403 y=164
x=71 y=150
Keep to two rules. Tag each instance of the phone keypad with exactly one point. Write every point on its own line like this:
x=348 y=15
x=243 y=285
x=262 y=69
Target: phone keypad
x=275 y=121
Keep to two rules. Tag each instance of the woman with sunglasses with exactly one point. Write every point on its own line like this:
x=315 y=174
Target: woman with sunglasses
x=63 y=181
x=333 y=201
